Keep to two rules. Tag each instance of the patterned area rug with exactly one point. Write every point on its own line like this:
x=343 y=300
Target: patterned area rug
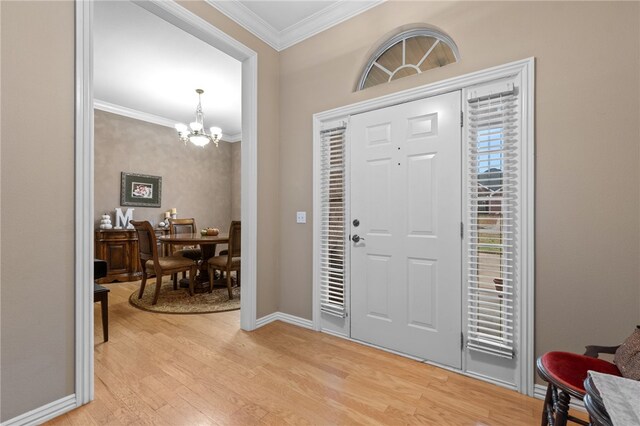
x=172 y=301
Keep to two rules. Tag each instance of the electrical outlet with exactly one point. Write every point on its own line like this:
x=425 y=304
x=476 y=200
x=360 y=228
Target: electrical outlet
x=301 y=217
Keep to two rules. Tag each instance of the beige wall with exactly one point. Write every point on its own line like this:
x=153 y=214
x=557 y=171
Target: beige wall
x=268 y=154
x=197 y=181
x=37 y=266
x=235 y=180
x=587 y=139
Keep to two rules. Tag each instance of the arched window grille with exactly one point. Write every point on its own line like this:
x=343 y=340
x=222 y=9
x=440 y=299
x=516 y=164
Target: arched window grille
x=408 y=53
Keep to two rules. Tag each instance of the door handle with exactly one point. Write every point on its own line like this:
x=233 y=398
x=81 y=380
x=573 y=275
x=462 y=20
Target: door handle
x=356 y=238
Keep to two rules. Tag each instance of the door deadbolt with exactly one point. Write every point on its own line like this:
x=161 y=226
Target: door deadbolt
x=356 y=222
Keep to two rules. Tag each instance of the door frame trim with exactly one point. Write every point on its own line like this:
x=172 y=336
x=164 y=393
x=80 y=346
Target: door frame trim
x=524 y=68
x=188 y=21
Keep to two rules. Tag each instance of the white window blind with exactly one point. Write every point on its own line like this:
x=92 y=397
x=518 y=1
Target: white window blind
x=492 y=218
x=332 y=221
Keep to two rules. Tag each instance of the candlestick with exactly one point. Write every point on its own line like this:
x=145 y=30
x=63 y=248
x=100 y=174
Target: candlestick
x=174 y=211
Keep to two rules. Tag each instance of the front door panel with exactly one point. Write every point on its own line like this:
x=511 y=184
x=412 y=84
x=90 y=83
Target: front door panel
x=405 y=192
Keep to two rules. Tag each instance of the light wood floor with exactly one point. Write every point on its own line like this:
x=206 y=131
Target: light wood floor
x=202 y=369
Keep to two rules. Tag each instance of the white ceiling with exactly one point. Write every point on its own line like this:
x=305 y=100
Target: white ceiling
x=283 y=14
x=149 y=69
x=145 y=64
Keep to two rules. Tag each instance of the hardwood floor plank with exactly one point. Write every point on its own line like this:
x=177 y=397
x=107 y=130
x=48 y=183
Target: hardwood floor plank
x=62 y=420
x=202 y=369
x=82 y=419
x=355 y=411
x=121 y=413
x=126 y=396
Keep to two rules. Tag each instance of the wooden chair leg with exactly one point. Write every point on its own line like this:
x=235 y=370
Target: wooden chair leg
x=142 y=284
x=562 y=409
x=229 y=284
x=158 y=285
x=174 y=277
x=547 y=408
x=238 y=277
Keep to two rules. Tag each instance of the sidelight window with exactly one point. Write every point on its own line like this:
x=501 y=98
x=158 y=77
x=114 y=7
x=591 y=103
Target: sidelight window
x=332 y=221
x=492 y=191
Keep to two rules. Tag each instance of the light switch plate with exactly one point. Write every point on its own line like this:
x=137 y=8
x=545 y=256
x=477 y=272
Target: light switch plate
x=301 y=217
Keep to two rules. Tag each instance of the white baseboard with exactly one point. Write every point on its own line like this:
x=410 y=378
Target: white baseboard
x=540 y=392
x=266 y=319
x=42 y=414
x=281 y=316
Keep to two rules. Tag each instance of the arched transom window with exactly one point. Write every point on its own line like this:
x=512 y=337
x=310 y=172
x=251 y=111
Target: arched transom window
x=408 y=53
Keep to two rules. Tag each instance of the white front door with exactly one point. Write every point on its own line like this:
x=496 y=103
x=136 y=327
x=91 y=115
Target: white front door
x=406 y=214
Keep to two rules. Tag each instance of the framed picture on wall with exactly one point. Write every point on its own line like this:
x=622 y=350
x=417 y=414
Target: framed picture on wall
x=140 y=190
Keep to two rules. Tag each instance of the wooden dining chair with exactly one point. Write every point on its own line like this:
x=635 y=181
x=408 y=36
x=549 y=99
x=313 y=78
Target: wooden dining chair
x=154 y=266
x=230 y=261
x=183 y=226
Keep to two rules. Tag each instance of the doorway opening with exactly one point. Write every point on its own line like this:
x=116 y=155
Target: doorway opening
x=141 y=93
x=181 y=18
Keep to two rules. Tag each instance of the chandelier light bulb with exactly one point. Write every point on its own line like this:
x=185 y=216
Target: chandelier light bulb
x=216 y=132
x=182 y=128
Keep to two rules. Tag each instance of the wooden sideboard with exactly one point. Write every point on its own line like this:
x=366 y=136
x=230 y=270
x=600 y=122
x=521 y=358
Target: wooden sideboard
x=119 y=247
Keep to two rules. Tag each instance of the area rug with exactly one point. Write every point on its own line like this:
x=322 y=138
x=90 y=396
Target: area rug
x=172 y=301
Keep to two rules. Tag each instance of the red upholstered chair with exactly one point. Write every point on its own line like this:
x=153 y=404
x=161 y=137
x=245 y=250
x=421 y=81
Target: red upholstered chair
x=565 y=372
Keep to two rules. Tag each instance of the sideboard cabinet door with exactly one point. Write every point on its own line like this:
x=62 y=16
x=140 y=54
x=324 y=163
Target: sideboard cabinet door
x=119 y=247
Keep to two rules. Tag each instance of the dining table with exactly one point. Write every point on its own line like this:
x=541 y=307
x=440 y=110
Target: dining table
x=207 y=245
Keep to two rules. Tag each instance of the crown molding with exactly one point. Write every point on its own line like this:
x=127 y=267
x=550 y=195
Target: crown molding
x=232 y=138
x=132 y=113
x=323 y=20
x=149 y=118
x=320 y=21
x=244 y=16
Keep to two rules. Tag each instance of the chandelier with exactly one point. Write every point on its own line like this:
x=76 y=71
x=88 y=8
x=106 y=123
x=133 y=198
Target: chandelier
x=195 y=132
